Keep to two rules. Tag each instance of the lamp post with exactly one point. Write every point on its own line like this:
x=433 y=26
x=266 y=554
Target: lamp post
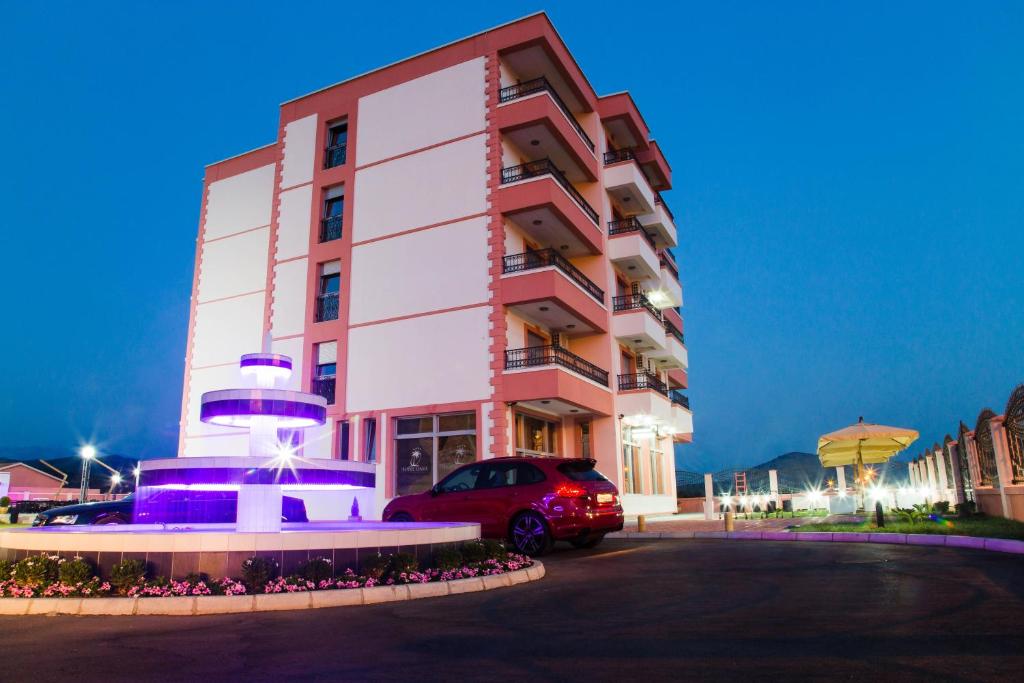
x=115 y=479
x=87 y=453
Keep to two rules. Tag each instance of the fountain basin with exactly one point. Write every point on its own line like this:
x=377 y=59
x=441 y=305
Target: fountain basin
x=218 y=550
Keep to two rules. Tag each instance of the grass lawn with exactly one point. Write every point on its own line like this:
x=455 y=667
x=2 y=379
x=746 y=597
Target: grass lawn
x=990 y=527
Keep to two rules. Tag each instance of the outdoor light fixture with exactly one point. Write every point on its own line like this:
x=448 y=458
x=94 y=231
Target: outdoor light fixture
x=87 y=453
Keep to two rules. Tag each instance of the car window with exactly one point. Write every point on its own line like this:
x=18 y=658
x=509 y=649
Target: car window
x=497 y=475
x=581 y=470
x=461 y=480
x=528 y=474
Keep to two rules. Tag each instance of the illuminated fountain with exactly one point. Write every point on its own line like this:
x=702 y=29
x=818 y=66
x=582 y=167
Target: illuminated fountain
x=208 y=513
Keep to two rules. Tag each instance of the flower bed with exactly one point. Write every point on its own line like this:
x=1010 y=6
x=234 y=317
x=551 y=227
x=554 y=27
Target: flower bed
x=45 y=576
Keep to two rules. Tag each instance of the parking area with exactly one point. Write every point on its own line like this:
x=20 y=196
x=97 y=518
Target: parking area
x=627 y=610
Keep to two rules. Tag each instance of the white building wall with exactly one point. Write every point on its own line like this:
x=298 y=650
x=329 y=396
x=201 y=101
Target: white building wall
x=441 y=358
x=293 y=221
x=422 y=112
x=428 y=270
x=238 y=203
x=441 y=184
x=289 y=308
x=299 y=152
x=234 y=265
x=226 y=329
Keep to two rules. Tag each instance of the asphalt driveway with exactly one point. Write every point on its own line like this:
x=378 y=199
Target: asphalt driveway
x=628 y=610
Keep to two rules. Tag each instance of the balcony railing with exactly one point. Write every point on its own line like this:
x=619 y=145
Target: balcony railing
x=540 y=167
x=658 y=199
x=536 y=356
x=671 y=328
x=335 y=155
x=679 y=398
x=327 y=307
x=616 y=155
x=631 y=224
x=668 y=264
x=642 y=380
x=635 y=301
x=536 y=85
x=330 y=229
x=323 y=386
x=542 y=258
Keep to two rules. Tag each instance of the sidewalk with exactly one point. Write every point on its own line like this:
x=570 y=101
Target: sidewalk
x=696 y=522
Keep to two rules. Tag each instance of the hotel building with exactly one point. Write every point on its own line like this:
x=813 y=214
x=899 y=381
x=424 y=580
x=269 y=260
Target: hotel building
x=468 y=254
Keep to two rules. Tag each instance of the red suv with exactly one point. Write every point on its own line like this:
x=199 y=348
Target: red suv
x=532 y=502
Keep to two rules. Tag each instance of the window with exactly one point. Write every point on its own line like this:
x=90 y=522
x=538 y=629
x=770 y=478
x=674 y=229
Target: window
x=581 y=471
x=630 y=461
x=324 y=372
x=536 y=436
x=334 y=210
x=428 y=448
x=498 y=475
x=583 y=436
x=463 y=480
x=343 y=432
x=337 y=145
x=657 y=456
x=327 y=291
x=370 y=439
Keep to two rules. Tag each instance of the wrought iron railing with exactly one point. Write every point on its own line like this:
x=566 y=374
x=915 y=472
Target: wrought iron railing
x=323 y=386
x=327 y=307
x=535 y=356
x=536 y=85
x=658 y=199
x=616 y=155
x=335 y=155
x=330 y=229
x=542 y=258
x=638 y=300
x=671 y=328
x=679 y=398
x=535 y=169
x=668 y=264
x=631 y=224
x=642 y=380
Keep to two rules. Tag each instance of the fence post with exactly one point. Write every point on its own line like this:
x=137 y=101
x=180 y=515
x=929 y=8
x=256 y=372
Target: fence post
x=773 y=487
x=709 y=497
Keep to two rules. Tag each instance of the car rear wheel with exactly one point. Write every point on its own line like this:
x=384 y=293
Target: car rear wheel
x=530 y=535
x=111 y=519
x=587 y=541
x=400 y=517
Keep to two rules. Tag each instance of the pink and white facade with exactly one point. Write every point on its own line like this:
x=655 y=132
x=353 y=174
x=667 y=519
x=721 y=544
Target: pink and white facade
x=467 y=253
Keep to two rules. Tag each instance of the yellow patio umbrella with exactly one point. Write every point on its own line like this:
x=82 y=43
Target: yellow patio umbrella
x=863 y=443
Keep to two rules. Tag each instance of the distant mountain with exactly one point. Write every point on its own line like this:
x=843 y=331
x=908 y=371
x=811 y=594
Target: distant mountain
x=797 y=472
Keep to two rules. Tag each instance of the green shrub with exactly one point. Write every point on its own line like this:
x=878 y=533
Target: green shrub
x=5 y=502
x=375 y=567
x=6 y=568
x=941 y=507
x=318 y=569
x=36 y=571
x=76 y=571
x=127 y=573
x=447 y=559
x=404 y=563
x=474 y=551
x=966 y=508
x=495 y=549
x=257 y=571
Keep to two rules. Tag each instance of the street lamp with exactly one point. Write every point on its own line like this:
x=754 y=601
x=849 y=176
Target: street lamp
x=87 y=453
x=115 y=479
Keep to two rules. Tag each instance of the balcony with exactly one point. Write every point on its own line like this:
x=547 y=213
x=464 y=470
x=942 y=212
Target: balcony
x=323 y=386
x=539 y=85
x=327 y=307
x=642 y=381
x=632 y=250
x=681 y=417
x=546 y=288
x=555 y=380
x=545 y=167
x=335 y=155
x=655 y=167
x=330 y=229
x=626 y=184
x=661 y=224
x=672 y=355
x=678 y=378
x=638 y=324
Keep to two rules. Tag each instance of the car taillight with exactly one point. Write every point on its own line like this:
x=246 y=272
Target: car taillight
x=570 y=491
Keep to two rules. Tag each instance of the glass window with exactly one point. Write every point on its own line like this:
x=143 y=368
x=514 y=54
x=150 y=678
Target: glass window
x=452 y=444
x=581 y=470
x=414 y=465
x=584 y=435
x=343 y=431
x=657 y=482
x=338 y=135
x=326 y=370
x=370 y=439
x=536 y=436
x=462 y=480
x=630 y=464
x=498 y=475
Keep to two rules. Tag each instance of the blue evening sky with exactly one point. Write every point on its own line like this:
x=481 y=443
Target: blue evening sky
x=849 y=190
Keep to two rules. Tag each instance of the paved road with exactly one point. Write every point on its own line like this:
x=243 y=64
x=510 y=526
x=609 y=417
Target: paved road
x=629 y=610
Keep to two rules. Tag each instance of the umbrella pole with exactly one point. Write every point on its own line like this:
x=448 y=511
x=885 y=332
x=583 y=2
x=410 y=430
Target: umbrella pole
x=860 y=476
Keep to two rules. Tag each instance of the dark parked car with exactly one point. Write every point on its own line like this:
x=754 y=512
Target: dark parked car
x=170 y=507
x=530 y=501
